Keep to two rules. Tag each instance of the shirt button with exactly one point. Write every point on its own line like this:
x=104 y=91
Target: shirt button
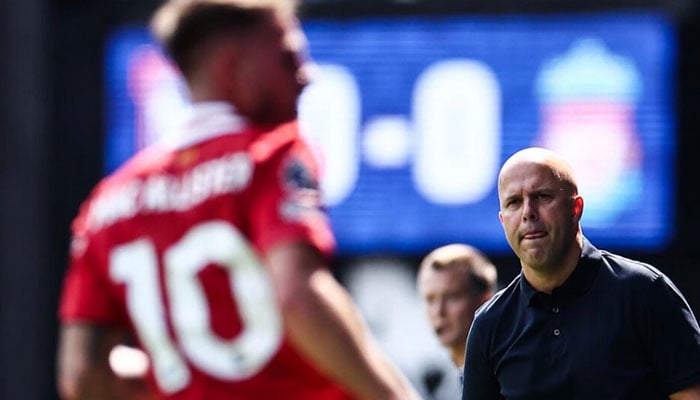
x=556 y=332
x=555 y=309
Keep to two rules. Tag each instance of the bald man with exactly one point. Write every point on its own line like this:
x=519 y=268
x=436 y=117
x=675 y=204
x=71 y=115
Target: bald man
x=577 y=322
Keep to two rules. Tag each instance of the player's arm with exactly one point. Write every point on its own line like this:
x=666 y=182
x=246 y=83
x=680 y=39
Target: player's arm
x=83 y=362
x=323 y=323
x=691 y=393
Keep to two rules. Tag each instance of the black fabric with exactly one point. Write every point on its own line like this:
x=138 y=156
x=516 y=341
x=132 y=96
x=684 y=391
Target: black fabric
x=616 y=329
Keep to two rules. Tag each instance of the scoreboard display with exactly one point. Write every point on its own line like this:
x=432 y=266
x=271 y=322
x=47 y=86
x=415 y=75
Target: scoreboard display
x=412 y=116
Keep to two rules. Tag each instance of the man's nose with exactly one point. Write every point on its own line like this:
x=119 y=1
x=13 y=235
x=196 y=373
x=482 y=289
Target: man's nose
x=529 y=210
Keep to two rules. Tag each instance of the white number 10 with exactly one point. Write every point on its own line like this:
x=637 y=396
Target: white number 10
x=215 y=242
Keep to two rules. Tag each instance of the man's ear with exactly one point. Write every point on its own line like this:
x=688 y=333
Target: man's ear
x=578 y=206
x=486 y=296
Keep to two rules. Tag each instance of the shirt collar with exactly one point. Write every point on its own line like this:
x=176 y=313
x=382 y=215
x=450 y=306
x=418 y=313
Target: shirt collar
x=575 y=285
x=204 y=121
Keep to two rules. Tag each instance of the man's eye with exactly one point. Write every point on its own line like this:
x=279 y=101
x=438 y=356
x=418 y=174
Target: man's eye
x=513 y=203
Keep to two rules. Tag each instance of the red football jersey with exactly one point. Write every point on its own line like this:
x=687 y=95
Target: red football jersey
x=168 y=245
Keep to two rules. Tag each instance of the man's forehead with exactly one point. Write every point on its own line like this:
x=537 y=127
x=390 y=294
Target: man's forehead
x=525 y=180
x=527 y=171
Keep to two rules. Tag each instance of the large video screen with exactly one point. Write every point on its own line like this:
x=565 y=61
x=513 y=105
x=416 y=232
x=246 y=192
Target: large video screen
x=412 y=117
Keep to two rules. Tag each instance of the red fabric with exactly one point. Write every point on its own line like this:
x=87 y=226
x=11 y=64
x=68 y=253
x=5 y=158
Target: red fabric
x=144 y=202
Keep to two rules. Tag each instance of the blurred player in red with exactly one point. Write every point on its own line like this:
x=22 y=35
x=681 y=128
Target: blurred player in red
x=210 y=247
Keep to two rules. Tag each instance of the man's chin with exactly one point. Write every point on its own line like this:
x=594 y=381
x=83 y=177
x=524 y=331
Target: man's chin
x=446 y=340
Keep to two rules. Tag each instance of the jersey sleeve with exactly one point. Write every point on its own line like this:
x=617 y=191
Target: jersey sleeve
x=287 y=204
x=675 y=337
x=85 y=295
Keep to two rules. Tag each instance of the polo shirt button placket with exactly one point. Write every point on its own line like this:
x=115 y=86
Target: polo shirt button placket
x=557 y=345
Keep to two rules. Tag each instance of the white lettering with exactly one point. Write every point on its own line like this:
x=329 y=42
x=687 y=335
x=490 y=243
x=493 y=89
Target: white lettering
x=154 y=196
x=115 y=205
x=168 y=192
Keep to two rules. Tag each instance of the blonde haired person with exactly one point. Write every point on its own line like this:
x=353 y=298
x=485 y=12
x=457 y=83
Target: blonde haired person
x=453 y=281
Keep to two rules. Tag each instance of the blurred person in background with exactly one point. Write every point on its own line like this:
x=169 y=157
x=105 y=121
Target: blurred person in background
x=211 y=247
x=577 y=322
x=454 y=280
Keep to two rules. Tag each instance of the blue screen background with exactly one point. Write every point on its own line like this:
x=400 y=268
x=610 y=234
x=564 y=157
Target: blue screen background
x=384 y=212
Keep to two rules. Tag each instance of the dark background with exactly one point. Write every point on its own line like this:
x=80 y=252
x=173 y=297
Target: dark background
x=51 y=124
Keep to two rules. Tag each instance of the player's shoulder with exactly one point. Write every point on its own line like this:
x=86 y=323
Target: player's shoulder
x=147 y=161
x=143 y=163
x=274 y=140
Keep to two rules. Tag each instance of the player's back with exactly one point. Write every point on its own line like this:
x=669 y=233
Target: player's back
x=174 y=236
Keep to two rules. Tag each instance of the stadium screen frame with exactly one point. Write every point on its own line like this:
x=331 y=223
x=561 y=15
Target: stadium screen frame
x=412 y=116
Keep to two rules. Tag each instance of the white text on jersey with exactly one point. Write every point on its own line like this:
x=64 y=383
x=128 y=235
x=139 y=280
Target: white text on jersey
x=170 y=192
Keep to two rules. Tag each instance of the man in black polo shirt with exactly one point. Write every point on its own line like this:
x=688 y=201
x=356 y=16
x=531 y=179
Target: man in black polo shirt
x=578 y=322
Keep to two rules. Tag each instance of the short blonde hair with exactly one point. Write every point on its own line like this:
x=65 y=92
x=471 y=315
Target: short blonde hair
x=480 y=272
x=184 y=27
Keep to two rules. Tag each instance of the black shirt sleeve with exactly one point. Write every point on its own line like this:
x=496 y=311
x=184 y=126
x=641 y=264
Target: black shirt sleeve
x=674 y=337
